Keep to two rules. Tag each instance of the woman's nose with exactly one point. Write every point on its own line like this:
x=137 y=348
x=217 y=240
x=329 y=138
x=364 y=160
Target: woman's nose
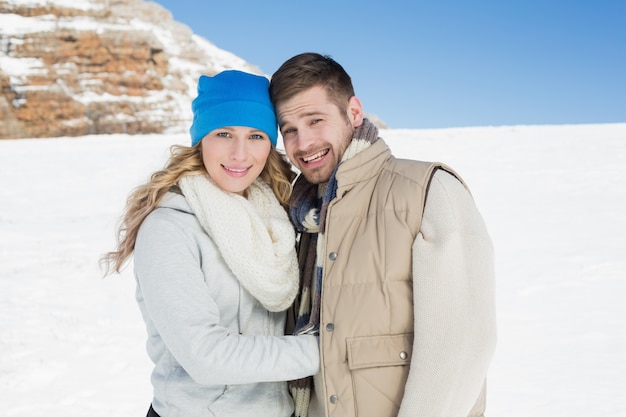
x=238 y=150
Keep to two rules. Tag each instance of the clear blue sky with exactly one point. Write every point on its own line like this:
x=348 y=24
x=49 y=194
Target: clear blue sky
x=442 y=63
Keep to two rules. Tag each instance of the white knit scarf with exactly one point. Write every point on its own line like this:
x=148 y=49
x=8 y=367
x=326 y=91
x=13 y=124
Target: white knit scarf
x=254 y=236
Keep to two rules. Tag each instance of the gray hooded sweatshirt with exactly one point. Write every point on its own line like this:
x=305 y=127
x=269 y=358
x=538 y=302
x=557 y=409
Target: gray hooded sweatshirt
x=216 y=350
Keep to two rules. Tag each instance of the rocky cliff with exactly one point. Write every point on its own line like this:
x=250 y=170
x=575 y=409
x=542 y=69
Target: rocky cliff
x=99 y=66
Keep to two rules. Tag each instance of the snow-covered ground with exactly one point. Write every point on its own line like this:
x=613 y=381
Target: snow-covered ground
x=72 y=342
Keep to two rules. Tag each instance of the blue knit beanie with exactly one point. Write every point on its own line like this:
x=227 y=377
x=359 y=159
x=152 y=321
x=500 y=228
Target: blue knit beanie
x=232 y=98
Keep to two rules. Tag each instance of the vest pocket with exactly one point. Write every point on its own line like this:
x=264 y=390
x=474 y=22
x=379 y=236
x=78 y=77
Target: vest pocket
x=379 y=367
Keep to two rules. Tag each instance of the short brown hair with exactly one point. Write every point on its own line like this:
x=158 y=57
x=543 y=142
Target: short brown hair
x=307 y=70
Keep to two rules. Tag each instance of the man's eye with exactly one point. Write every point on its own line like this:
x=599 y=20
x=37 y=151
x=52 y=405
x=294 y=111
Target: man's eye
x=315 y=121
x=287 y=131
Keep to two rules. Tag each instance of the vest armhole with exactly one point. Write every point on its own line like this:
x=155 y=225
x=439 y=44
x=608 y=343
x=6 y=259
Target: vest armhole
x=436 y=166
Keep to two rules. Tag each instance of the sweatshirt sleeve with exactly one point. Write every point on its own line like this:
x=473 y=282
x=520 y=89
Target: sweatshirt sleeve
x=182 y=314
x=454 y=304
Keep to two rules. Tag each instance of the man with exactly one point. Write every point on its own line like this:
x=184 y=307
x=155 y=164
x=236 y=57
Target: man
x=396 y=262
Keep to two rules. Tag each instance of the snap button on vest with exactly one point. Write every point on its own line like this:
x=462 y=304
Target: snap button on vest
x=403 y=355
x=332 y=256
x=330 y=327
x=333 y=399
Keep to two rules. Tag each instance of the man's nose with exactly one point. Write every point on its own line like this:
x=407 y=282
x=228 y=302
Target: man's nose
x=305 y=139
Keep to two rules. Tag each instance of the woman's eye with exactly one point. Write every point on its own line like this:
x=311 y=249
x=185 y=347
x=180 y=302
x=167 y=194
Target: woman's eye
x=257 y=136
x=223 y=134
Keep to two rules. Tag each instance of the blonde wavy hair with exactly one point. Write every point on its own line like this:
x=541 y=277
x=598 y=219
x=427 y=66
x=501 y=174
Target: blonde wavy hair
x=183 y=160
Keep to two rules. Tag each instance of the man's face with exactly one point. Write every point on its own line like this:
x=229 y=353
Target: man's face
x=316 y=132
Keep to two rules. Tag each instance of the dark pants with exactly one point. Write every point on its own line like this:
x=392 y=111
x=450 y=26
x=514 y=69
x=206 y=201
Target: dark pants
x=152 y=413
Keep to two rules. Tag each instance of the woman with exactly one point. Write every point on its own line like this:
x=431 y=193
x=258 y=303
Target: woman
x=215 y=262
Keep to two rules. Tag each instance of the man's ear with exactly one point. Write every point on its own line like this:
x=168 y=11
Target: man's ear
x=355 y=112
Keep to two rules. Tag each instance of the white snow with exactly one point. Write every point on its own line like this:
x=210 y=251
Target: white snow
x=73 y=4
x=72 y=343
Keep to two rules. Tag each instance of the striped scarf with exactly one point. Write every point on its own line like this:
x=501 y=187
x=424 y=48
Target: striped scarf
x=308 y=213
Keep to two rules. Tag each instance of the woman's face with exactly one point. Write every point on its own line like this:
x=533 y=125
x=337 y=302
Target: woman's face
x=234 y=156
